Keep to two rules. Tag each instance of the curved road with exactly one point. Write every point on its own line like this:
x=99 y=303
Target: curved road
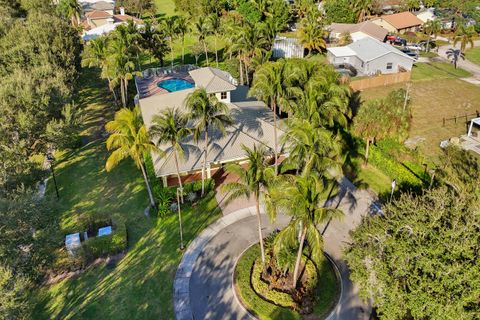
x=203 y=287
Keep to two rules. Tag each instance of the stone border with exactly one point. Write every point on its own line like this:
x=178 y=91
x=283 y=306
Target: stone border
x=181 y=285
x=339 y=277
x=234 y=288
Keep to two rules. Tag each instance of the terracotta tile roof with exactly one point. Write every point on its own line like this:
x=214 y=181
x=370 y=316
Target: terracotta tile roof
x=97 y=14
x=125 y=17
x=402 y=20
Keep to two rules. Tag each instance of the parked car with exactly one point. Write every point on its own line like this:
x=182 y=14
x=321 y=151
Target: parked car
x=414 y=47
x=409 y=53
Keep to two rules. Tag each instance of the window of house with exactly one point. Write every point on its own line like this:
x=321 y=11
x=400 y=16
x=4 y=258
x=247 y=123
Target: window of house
x=223 y=95
x=389 y=66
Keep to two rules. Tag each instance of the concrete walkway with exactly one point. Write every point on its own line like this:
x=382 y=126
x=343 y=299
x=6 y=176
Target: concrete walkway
x=203 y=284
x=471 y=67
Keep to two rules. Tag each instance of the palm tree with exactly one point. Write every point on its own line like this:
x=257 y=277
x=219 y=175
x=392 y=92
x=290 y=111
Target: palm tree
x=302 y=197
x=95 y=55
x=252 y=181
x=70 y=9
x=465 y=35
x=214 y=26
x=129 y=139
x=345 y=39
x=182 y=29
x=209 y=114
x=171 y=127
x=310 y=148
x=170 y=27
x=202 y=30
x=455 y=54
x=312 y=35
x=271 y=84
x=361 y=8
x=432 y=27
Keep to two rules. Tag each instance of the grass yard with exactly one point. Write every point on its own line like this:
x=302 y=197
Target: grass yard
x=374 y=179
x=139 y=286
x=437 y=70
x=165 y=7
x=435 y=95
x=473 y=55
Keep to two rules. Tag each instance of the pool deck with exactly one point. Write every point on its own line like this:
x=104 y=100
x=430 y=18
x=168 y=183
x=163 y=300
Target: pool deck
x=148 y=86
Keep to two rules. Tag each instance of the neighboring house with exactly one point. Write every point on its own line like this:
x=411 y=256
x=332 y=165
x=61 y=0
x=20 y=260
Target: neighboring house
x=399 y=22
x=100 y=5
x=97 y=23
x=284 y=47
x=426 y=15
x=370 y=57
x=162 y=88
x=357 y=31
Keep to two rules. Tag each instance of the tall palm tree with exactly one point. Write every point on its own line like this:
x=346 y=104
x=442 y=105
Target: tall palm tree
x=252 y=181
x=361 y=8
x=202 y=29
x=214 y=26
x=271 y=84
x=170 y=27
x=129 y=139
x=454 y=55
x=171 y=127
x=302 y=197
x=208 y=115
x=312 y=34
x=70 y=9
x=310 y=148
x=465 y=35
x=95 y=55
x=183 y=28
x=432 y=27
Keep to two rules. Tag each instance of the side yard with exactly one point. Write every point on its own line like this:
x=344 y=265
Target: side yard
x=139 y=285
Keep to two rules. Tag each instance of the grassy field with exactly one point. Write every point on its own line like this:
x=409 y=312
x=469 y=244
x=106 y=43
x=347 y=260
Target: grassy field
x=473 y=55
x=139 y=286
x=436 y=94
x=437 y=70
x=165 y=7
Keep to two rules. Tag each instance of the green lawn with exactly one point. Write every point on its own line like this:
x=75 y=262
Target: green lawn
x=140 y=285
x=166 y=7
x=473 y=55
x=374 y=179
x=437 y=70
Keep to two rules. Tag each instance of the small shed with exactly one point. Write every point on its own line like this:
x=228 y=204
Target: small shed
x=72 y=242
x=284 y=47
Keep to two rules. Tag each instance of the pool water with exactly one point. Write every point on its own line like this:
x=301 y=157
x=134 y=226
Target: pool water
x=172 y=85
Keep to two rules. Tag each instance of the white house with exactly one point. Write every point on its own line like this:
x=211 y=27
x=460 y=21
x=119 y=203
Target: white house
x=426 y=15
x=369 y=57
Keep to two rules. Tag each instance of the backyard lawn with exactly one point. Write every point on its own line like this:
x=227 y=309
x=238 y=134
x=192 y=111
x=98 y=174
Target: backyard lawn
x=139 y=286
x=166 y=7
x=473 y=55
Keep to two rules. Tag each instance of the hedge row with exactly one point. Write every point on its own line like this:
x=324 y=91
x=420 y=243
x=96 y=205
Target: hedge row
x=115 y=242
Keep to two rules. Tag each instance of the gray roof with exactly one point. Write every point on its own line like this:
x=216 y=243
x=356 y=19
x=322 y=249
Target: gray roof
x=366 y=27
x=100 y=5
x=253 y=124
x=213 y=80
x=368 y=49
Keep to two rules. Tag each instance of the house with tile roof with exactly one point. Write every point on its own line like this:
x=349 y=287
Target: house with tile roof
x=399 y=22
x=357 y=30
x=161 y=88
x=370 y=57
x=97 y=23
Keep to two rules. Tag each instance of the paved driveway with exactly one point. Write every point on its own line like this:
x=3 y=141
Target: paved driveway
x=464 y=64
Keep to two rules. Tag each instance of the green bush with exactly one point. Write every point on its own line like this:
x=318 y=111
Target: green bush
x=113 y=243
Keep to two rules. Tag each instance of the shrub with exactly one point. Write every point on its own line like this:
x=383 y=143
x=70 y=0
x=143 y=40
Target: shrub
x=113 y=243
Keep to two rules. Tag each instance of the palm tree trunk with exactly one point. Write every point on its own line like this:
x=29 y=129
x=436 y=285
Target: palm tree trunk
x=299 y=257
x=178 y=173
x=240 y=71
x=205 y=48
x=183 y=49
x=126 y=91
x=171 y=50
x=367 y=149
x=149 y=190
x=275 y=152
x=122 y=92
x=259 y=220
x=204 y=165
x=216 y=51
x=112 y=89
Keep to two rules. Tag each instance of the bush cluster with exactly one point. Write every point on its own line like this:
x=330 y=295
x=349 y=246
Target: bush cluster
x=113 y=243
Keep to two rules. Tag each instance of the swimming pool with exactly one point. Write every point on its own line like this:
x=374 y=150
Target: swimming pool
x=172 y=85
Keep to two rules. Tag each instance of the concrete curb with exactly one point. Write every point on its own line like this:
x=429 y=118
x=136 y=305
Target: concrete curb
x=181 y=285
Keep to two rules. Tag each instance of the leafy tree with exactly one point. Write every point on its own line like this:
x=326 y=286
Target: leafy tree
x=70 y=9
x=129 y=139
x=209 y=115
x=432 y=27
x=454 y=55
x=345 y=39
x=183 y=28
x=339 y=11
x=271 y=84
x=464 y=35
x=419 y=260
x=171 y=127
x=361 y=8
x=302 y=197
x=311 y=33
x=252 y=180
x=202 y=30
x=63 y=133
x=170 y=26
x=14 y=290
x=154 y=40
x=214 y=26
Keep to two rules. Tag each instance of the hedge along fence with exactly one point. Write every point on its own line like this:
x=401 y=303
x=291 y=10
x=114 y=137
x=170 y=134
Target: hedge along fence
x=113 y=243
